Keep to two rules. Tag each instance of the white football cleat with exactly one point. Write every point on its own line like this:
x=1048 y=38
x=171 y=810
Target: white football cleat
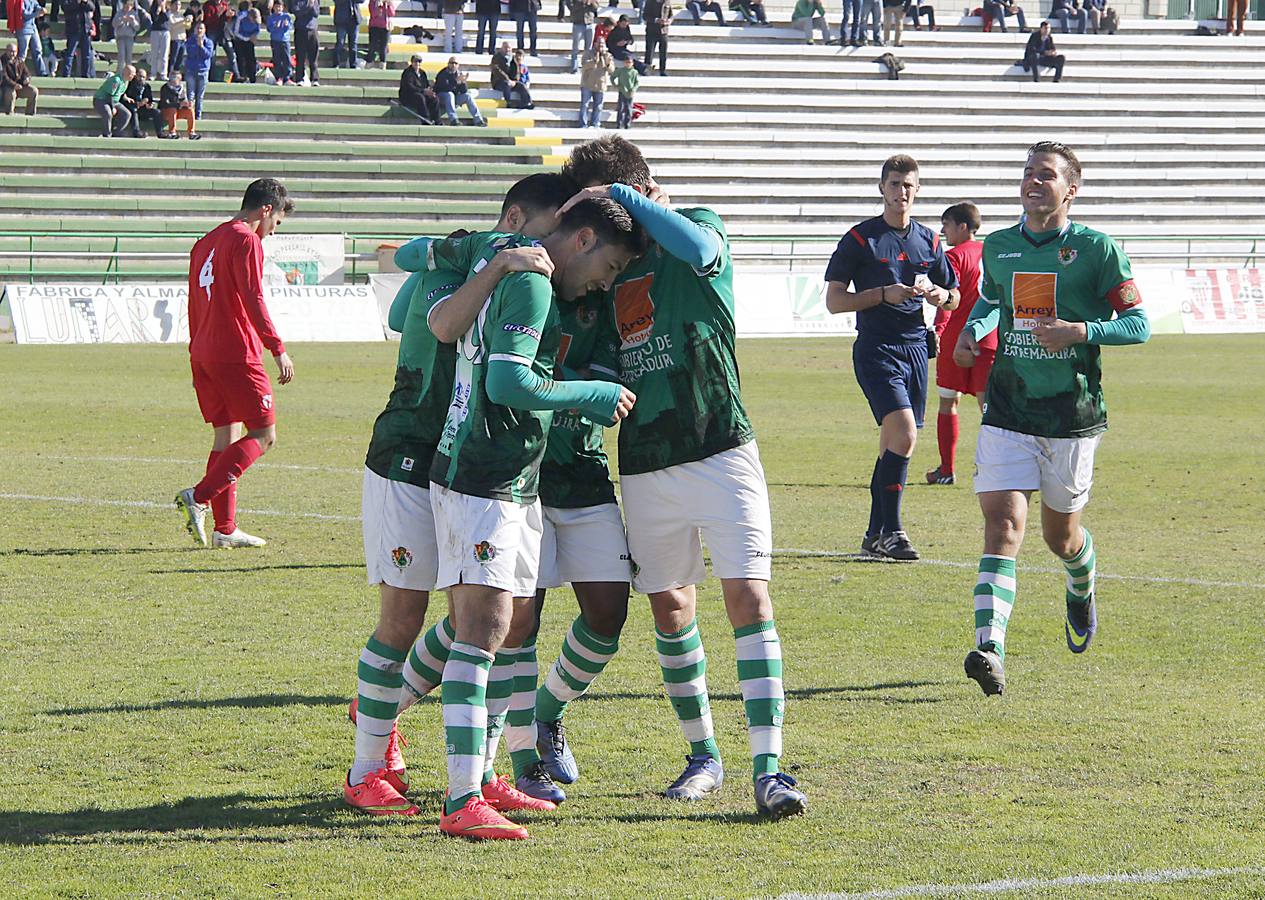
x=194 y=515
x=238 y=538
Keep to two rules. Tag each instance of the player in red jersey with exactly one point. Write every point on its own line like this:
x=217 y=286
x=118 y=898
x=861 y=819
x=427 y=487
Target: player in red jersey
x=228 y=328
x=960 y=222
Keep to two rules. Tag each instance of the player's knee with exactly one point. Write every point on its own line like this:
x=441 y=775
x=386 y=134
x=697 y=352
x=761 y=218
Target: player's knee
x=606 y=617
x=1061 y=543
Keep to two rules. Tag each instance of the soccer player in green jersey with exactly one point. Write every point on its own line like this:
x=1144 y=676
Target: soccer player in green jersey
x=486 y=468
x=1056 y=292
x=401 y=555
x=689 y=464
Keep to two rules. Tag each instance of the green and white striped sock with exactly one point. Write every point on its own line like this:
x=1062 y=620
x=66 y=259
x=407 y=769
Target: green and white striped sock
x=994 y=600
x=464 y=693
x=500 y=686
x=425 y=664
x=760 y=678
x=378 y=681
x=684 y=666
x=584 y=655
x=1080 y=571
x=520 y=724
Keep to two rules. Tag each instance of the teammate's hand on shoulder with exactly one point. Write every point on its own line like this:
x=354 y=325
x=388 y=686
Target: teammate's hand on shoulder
x=285 y=367
x=657 y=194
x=1055 y=335
x=524 y=259
x=966 y=349
x=588 y=193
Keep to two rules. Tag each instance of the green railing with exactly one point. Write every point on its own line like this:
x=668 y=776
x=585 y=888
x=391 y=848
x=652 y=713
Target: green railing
x=360 y=251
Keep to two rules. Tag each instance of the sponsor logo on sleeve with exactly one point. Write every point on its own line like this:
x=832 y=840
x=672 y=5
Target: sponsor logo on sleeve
x=521 y=329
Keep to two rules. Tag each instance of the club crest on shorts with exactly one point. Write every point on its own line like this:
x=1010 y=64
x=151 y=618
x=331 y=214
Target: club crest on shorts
x=1067 y=255
x=484 y=552
x=266 y=401
x=402 y=557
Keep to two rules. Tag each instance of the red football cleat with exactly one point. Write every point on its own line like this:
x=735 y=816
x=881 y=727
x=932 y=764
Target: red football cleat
x=502 y=796
x=377 y=797
x=478 y=821
x=397 y=773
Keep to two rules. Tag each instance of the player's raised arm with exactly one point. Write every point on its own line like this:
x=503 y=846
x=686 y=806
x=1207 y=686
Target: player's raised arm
x=452 y=317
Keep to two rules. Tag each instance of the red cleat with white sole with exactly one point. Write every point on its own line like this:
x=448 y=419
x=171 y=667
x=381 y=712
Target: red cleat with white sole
x=376 y=796
x=502 y=796
x=478 y=821
x=397 y=773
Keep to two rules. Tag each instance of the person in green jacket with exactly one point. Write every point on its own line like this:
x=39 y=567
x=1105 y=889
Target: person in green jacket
x=808 y=13
x=625 y=80
x=115 y=117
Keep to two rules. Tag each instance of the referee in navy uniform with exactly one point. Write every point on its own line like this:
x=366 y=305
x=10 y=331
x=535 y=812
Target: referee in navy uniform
x=893 y=265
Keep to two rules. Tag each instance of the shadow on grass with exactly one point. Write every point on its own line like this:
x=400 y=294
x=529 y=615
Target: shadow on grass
x=230 y=812
x=866 y=692
x=253 y=701
x=216 y=570
x=95 y=551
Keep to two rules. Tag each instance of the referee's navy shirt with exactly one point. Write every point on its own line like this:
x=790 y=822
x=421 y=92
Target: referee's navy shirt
x=874 y=254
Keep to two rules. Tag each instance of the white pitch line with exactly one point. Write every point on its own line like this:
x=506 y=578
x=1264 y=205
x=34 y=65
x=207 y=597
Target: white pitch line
x=1007 y=885
x=782 y=552
x=161 y=460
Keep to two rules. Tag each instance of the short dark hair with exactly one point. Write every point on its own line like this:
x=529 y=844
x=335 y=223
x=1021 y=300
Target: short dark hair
x=901 y=162
x=610 y=222
x=607 y=160
x=964 y=213
x=537 y=193
x=1073 y=165
x=267 y=192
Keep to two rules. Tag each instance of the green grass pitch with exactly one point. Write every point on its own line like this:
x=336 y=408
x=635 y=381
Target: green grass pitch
x=172 y=720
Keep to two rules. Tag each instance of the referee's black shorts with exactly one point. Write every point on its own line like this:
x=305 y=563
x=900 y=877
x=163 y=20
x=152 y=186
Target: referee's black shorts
x=892 y=377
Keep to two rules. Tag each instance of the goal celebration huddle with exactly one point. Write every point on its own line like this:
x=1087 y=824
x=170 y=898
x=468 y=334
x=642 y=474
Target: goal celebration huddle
x=593 y=302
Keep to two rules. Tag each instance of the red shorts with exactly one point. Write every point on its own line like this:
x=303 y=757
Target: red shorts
x=966 y=381
x=234 y=392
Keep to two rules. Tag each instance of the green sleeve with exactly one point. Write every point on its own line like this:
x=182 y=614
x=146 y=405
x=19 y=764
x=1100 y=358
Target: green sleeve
x=516 y=385
x=457 y=253
x=1129 y=327
x=517 y=317
x=1114 y=269
x=984 y=318
x=412 y=256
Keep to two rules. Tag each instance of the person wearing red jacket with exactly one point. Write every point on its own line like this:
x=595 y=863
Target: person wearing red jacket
x=960 y=222
x=229 y=326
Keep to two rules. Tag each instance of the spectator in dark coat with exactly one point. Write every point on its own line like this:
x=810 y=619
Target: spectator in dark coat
x=218 y=15
x=620 y=43
x=658 y=16
x=524 y=13
x=139 y=100
x=307 y=44
x=79 y=27
x=504 y=71
x=1042 y=52
x=347 y=19
x=488 y=12
x=173 y=104
x=416 y=93
x=451 y=89
x=15 y=82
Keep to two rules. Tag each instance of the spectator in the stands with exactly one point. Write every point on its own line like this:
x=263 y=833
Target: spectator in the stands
x=850 y=24
x=280 y=36
x=583 y=20
x=159 y=39
x=620 y=44
x=913 y=9
x=15 y=82
x=454 y=24
x=525 y=15
x=139 y=100
x=1000 y=9
x=893 y=20
x=658 y=17
x=505 y=70
x=199 y=53
x=809 y=14
x=872 y=12
x=48 y=49
x=129 y=21
x=380 y=14
x=752 y=11
x=415 y=91
x=602 y=29
x=173 y=104
x=1235 y=10
x=451 y=89
x=178 y=24
x=79 y=28
x=347 y=19
x=1069 y=12
x=114 y=115
x=488 y=14
x=523 y=76
x=594 y=76
x=1102 y=17
x=1041 y=52
x=698 y=7
x=29 y=38
x=218 y=15
x=307 y=40
x=625 y=81
x=245 y=30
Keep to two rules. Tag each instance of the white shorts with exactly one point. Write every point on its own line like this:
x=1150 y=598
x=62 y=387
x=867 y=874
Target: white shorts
x=399 y=533
x=582 y=545
x=723 y=496
x=490 y=542
x=1062 y=469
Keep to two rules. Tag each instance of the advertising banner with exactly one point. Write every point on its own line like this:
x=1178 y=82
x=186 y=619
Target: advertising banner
x=303 y=259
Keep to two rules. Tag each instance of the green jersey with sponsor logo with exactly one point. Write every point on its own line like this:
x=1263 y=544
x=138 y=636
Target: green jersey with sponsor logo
x=489 y=450
x=673 y=332
x=575 y=471
x=1077 y=275
x=406 y=433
